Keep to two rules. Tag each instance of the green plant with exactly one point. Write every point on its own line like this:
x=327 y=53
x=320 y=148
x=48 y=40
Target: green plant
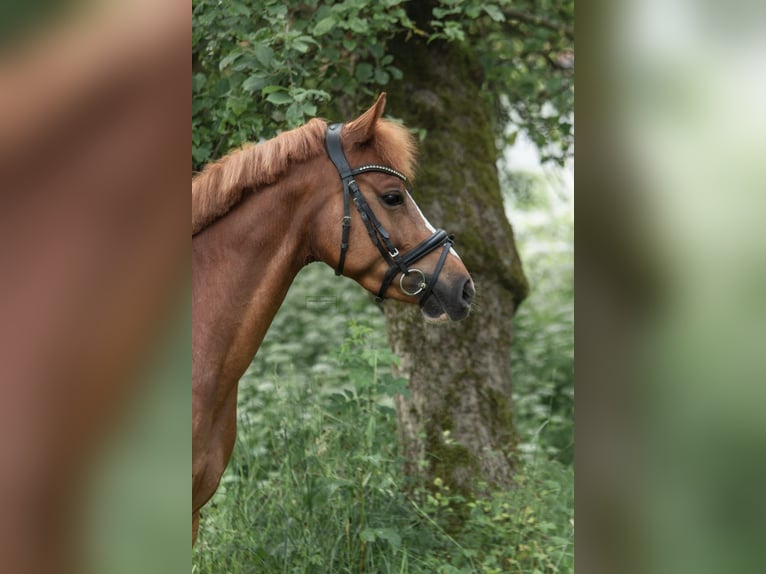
x=313 y=473
x=543 y=349
x=528 y=528
x=261 y=67
x=315 y=485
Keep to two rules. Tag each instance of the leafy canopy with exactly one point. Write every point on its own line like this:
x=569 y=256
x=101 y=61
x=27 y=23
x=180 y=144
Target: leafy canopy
x=260 y=67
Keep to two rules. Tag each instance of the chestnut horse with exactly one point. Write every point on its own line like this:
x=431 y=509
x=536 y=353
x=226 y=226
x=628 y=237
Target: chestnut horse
x=263 y=212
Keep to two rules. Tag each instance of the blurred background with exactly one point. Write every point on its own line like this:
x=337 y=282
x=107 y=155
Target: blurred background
x=670 y=291
x=95 y=328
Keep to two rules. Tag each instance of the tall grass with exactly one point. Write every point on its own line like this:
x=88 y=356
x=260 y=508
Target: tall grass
x=315 y=484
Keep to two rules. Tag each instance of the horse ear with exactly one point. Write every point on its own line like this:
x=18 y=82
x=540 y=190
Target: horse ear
x=362 y=129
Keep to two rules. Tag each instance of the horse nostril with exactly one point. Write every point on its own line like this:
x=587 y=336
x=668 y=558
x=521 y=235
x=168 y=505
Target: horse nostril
x=468 y=292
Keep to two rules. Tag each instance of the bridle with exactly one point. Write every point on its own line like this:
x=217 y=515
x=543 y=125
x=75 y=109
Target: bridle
x=397 y=263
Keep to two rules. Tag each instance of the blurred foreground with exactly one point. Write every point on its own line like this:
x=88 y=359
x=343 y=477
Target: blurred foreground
x=94 y=112
x=671 y=290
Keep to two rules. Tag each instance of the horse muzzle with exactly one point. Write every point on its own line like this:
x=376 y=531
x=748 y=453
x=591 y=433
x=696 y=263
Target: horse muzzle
x=449 y=300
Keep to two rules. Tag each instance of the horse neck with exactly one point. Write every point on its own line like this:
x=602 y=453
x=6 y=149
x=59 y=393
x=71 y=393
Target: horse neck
x=242 y=267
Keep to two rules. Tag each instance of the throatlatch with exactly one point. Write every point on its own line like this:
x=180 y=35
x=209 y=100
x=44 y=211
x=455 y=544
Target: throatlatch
x=378 y=235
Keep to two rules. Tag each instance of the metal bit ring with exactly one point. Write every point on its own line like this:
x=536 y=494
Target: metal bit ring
x=421 y=284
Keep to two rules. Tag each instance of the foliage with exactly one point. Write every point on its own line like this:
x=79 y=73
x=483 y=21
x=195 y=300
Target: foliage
x=313 y=322
x=543 y=352
x=529 y=528
x=315 y=485
x=261 y=67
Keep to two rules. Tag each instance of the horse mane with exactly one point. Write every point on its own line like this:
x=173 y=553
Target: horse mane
x=222 y=183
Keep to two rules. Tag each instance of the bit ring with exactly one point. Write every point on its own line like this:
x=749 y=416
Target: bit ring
x=421 y=284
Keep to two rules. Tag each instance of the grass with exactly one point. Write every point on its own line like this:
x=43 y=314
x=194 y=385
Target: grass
x=315 y=485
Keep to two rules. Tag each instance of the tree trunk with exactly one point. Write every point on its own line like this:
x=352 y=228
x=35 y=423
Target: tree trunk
x=458 y=419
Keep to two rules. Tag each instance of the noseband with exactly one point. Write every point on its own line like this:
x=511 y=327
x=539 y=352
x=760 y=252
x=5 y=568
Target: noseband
x=397 y=263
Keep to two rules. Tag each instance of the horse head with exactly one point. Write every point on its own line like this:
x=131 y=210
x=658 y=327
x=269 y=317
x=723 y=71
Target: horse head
x=369 y=228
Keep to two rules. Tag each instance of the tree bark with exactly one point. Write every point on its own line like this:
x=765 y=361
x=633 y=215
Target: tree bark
x=458 y=423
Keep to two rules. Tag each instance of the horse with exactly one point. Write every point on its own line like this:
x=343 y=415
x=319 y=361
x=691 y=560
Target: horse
x=263 y=212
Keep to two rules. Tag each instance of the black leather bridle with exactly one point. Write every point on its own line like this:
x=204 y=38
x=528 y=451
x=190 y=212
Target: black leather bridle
x=397 y=262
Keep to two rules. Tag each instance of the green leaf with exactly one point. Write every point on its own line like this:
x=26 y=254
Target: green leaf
x=240 y=9
x=201 y=153
x=198 y=105
x=363 y=72
x=494 y=12
x=264 y=54
x=324 y=25
x=246 y=63
x=300 y=46
x=294 y=114
x=228 y=60
x=237 y=106
x=381 y=77
x=198 y=82
x=279 y=98
x=253 y=83
x=376 y=50
x=303 y=43
x=391 y=536
x=272 y=88
x=359 y=26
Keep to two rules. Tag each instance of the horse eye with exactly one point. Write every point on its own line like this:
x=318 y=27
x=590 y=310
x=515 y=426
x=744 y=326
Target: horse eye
x=393 y=199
